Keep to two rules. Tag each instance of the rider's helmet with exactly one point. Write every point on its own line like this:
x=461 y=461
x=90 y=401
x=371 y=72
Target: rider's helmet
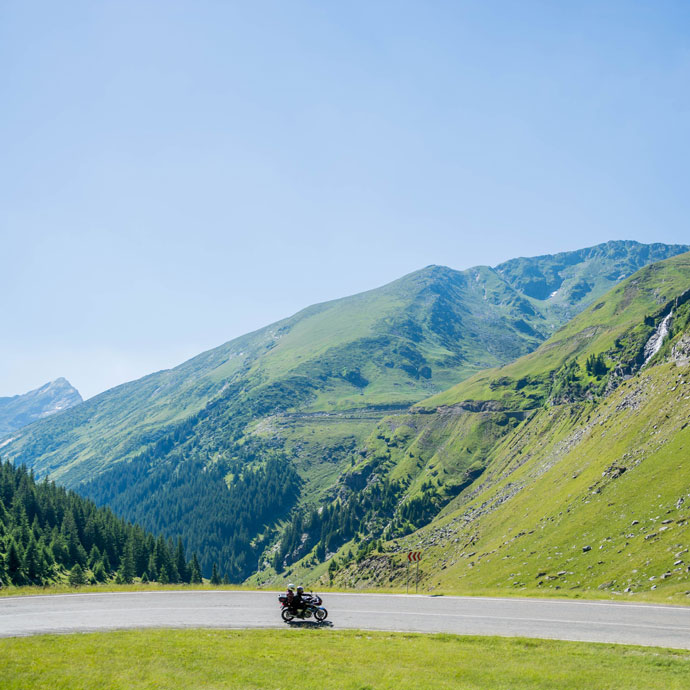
x=291 y=587
x=300 y=589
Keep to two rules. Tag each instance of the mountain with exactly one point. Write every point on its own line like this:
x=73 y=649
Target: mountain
x=565 y=469
x=20 y=410
x=230 y=446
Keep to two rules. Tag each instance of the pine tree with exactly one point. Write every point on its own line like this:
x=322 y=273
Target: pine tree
x=13 y=563
x=181 y=563
x=164 y=575
x=76 y=576
x=32 y=562
x=59 y=550
x=215 y=578
x=99 y=572
x=162 y=556
x=47 y=555
x=71 y=536
x=4 y=516
x=4 y=578
x=106 y=563
x=126 y=571
x=151 y=568
x=94 y=555
x=320 y=551
x=139 y=551
x=195 y=571
x=172 y=565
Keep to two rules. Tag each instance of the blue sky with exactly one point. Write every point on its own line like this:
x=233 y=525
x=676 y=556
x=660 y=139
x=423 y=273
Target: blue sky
x=176 y=174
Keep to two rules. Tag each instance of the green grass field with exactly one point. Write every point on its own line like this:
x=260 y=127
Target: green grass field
x=308 y=659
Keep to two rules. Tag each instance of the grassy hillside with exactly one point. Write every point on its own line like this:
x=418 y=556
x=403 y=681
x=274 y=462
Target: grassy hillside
x=614 y=325
x=581 y=497
x=565 y=469
x=200 y=450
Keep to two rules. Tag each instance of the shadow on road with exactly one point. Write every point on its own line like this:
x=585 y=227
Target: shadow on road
x=310 y=624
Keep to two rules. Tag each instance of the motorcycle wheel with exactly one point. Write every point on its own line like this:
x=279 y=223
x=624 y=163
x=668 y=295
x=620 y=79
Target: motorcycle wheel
x=287 y=615
x=320 y=615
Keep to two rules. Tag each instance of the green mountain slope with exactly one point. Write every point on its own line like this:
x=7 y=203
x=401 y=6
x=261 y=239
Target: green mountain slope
x=564 y=469
x=187 y=451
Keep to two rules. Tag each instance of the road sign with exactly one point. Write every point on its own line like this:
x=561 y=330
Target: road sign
x=413 y=557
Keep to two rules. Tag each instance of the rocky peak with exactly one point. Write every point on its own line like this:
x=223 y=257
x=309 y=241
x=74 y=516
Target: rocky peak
x=19 y=410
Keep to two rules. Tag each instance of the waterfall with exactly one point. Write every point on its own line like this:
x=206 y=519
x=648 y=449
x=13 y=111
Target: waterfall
x=657 y=340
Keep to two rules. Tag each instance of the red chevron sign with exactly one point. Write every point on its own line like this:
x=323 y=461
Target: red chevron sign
x=414 y=556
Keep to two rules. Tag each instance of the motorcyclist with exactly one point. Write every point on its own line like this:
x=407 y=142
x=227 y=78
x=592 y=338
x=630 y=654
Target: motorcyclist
x=290 y=595
x=298 y=600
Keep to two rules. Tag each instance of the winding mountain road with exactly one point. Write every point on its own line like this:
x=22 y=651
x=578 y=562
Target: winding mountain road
x=591 y=621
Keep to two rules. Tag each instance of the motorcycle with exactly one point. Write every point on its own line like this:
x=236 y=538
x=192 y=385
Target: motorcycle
x=311 y=605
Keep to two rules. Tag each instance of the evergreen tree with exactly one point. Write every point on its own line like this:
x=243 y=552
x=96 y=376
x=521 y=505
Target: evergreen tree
x=277 y=561
x=4 y=577
x=99 y=573
x=94 y=556
x=172 y=565
x=332 y=568
x=162 y=556
x=215 y=578
x=76 y=576
x=13 y=563
x=151 y=569
x=126 y=570
x=320 y=552
x=47 y=556
x=596 y=365
x=164 y=575
x=60 y=551
x=33 y=567
x=195 y=571
x=139 y=551
x=180 y=561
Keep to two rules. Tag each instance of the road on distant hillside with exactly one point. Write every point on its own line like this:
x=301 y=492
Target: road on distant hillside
x=590 y=621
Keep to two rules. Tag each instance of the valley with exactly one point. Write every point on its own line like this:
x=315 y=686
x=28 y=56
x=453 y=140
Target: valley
x=443 y=411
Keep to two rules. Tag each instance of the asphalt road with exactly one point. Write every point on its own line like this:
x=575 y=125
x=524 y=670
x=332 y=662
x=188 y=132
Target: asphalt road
x=643 y=624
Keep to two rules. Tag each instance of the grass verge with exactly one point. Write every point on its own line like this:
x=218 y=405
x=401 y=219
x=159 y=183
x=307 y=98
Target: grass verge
x=676 y=594
x=60 y=588
x=310 y=658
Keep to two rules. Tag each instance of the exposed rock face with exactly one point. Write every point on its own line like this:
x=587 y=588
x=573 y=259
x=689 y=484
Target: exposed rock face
x=20 y=410
x=681 y=350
